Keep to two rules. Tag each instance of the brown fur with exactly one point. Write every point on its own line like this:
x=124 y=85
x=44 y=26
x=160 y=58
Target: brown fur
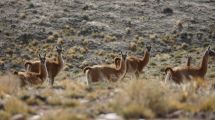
x=33 y=78
x=135 y=64
x=53 y=66
x=106 y=72
x=178 y=74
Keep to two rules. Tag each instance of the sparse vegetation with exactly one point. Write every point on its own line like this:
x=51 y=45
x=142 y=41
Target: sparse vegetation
x=93 y=32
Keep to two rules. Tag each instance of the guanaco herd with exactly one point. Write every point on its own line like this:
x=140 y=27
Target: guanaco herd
x=36 y=72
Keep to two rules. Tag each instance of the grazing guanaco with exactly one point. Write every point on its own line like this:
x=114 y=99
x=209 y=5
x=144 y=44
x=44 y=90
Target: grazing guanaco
x=178 y=74
x=135 y=64
x=54 y=66
x=106 y=72
x=34 y=78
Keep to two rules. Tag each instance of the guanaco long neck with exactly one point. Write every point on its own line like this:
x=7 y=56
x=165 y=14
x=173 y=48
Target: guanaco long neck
x=43 y=73
x=60 y=59
x=204 y=65
x=145 y=59
x=123 y=68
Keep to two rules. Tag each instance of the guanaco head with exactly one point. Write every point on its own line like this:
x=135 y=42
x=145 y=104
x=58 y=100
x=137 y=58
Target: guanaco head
x=169 y=69
x=59 y=49
x=148 y=48
x=42 y=58
x=210 y=52
x=124 y=56
x=117 y=61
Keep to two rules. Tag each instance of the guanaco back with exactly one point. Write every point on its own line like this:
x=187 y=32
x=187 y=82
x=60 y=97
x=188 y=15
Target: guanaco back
x=106 y=72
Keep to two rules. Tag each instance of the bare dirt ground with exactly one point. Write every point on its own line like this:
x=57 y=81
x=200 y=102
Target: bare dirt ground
x=93 y=32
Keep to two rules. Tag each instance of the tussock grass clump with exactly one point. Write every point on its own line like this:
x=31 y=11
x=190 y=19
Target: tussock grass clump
x=142 y=100
x=9 y=84
x=109 y=38
x=154 y=99
x=14 y=106
x=73 y=89
x=98 y=35
x=133 y=46
x=4 y=115
x=63 y=115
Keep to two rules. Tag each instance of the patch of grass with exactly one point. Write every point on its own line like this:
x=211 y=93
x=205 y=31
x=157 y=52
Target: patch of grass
x=109 y=38
x=98 y=35
x=153 y=63
x=14 y=106
x=63 y=115
x=152 y=99
x=208 y=104
x=68 y=31
x=50 y=39
x=153 y=36
x=136 y=111
x=22 y=15
x=9 y=84
x=128 y=30
x=168 y=38
x=211 y=75
x=147 y=104
x=4 y=115
x=132 y=46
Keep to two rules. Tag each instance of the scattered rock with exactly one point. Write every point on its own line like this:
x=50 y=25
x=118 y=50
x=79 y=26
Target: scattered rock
x=109 y=116
x=18 y=117
x=35 y=117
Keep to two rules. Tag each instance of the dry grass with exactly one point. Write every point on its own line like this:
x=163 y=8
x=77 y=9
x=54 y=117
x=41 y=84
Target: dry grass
x=132 y=99
x=14 y=106
x=154 y=99
x=63 y=115
x=8 y=84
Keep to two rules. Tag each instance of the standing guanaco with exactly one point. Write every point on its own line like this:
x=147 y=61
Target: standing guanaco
x=34 y=78
x=135 y=64
x=106 y=72
x=178 y=74
x=54 y=66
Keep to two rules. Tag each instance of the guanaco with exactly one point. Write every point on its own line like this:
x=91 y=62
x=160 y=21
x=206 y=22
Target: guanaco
x=54 y=66
x=135 y=64
x=34 y=78
x=178 y=74
x=106 y=72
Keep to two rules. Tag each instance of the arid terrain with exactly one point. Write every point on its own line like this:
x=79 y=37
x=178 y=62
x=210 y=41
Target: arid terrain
x=94 y=32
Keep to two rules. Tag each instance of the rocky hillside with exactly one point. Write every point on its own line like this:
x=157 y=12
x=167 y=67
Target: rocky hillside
x=95 y=31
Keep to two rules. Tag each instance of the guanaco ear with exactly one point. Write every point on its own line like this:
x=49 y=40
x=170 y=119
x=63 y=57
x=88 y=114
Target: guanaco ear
x=209 y=47
x=39 y=56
